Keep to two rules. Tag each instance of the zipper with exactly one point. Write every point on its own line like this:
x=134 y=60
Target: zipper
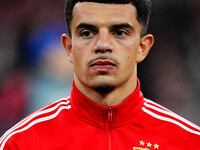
x=110 y=118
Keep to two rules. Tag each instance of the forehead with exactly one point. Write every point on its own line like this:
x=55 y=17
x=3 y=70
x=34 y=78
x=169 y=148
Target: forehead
x=104 y=14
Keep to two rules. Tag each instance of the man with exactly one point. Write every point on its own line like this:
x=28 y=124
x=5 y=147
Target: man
x=106 y=109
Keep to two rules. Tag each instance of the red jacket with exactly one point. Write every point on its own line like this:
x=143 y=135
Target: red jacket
x=77 y=123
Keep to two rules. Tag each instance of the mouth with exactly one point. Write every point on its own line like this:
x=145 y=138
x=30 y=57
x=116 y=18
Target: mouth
x=103 y=65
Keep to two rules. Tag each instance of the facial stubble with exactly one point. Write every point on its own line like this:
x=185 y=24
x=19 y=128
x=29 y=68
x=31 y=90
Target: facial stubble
x=104 y=89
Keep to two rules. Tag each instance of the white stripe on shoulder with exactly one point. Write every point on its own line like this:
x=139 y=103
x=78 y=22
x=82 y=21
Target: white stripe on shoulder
x=158 y=105
x=37 y=113
x=43 y=111
x=169 y=120
x=35 y=122
x=172 y=114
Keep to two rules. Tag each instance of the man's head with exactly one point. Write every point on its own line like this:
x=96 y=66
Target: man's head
x=105 y=47
x=143 y=8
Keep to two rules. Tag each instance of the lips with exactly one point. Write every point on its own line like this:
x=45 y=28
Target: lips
x=103 y=65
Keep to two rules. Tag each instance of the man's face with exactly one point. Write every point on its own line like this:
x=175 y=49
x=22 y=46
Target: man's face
x=104 y=45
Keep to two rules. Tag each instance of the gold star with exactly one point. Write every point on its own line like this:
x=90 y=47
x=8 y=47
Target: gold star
x=149 y=144
x=156 y=146
x=142 y=143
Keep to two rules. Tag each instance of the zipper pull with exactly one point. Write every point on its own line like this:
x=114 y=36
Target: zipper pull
x=110 y=114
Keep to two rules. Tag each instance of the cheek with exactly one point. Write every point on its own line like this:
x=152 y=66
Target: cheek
x=128 y=58
x=80 y=57
x=128 y=53
x=77 y=51
x=132 y=51
x=82 y=51
x=76 y=60
x=130 y=46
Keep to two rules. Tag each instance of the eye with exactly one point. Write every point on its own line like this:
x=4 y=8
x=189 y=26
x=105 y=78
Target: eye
x=120 y=33
x=87 y=34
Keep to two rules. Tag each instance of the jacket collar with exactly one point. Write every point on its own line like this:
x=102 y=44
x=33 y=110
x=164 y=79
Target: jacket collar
x=99 y=115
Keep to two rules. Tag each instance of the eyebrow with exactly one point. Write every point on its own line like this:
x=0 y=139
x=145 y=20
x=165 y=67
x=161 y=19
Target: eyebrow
x=123 y=25
x=115 y=26
x=85 y=25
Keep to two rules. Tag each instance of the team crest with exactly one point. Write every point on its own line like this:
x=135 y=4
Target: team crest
x=146 y=146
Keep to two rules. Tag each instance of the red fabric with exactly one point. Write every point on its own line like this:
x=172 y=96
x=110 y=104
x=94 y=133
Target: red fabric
x=77 y=123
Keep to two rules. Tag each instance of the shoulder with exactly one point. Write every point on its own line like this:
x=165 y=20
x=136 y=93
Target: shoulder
x=44 y=114
x=170 y=118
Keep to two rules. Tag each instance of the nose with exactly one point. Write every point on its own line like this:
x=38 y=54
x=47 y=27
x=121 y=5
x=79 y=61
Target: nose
x=103 y=43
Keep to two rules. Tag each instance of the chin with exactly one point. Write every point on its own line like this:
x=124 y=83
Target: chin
x=104 y=88
x=102 y=83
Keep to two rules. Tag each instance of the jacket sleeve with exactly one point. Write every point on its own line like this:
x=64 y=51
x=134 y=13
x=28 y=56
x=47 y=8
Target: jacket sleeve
x=8 y=143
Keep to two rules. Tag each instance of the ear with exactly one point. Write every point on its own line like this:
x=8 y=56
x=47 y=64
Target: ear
x=145 y=44
x=67 y=44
